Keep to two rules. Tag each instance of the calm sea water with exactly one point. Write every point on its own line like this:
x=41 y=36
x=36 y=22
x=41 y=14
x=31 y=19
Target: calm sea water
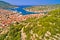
x=23 y=12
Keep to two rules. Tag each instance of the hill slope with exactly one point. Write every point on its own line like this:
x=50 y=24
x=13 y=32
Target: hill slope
x=42 y=28
x=5 y=5
x=43 y=8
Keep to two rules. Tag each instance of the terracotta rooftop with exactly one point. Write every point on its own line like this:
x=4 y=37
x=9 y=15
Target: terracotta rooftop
x=8 y=17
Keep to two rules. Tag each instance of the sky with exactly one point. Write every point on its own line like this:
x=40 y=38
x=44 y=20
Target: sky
x=32 y=2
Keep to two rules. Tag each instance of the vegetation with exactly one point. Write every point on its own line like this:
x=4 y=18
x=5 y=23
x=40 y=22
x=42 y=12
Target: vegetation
x=42 y=28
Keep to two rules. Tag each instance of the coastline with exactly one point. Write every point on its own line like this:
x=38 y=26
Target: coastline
x=8 y=17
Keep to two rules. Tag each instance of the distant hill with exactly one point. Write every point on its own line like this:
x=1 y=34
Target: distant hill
x=6 y=5
x=42 y=7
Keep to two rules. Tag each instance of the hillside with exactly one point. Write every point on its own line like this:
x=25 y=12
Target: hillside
x=42 y=8
x=5 y=5
x=14 y=26
x=42 y=28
